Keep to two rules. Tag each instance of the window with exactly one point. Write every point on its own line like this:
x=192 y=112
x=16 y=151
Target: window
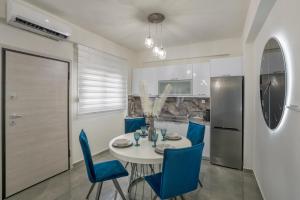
x=102 y=81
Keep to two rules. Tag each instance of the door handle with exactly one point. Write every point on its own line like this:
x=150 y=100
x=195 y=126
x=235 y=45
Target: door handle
x=15 y=116
x=228 y=129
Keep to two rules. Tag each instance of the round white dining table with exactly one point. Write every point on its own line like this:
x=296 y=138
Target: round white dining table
x=145 y=153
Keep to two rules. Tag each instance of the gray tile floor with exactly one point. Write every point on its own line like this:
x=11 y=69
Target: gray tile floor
x=219 y=184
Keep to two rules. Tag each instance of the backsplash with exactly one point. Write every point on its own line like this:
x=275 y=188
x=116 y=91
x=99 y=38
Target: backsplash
x=178 y=109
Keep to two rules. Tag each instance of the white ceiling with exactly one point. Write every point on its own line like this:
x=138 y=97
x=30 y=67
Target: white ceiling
x=124 y=21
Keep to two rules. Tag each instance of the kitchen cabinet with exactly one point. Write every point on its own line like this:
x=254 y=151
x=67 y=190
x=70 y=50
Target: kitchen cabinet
x=175 y=72
x=181 y=128
x=201 y=80
x=232 y=66
x=149 y=76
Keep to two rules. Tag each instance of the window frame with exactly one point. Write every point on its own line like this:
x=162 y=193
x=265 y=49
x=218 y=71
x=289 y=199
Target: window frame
x=124 y=74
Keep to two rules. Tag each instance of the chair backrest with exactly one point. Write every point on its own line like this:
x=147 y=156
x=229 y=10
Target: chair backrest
x=180 y=172
x=133 y=124
x=195 y=133
x=85 y=147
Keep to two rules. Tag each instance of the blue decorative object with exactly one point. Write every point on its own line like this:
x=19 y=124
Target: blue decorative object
x=144 y=130
x=100 y=172
x=133 y=124
x=137 y=137
x=179 y=174
x=195 y=133
x=163 y=133
x=154 y=138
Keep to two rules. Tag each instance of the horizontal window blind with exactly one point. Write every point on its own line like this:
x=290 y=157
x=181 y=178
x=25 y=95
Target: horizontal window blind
x=102 y=81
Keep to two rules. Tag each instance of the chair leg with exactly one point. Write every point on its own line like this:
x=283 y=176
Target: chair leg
x=126 y=165
x=200 y=183
x=152 y=169
x=90 y=191
x=116 y=183
x=99 y=190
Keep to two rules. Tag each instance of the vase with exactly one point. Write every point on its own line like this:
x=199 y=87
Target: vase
x=151 y=127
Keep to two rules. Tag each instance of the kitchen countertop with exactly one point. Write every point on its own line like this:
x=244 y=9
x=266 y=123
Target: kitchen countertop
x=193 y=119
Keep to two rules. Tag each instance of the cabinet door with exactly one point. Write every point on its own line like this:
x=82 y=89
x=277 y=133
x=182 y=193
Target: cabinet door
x=226 y=67
x=183 y=72
x=173 y=127
x=201 y=79
x=206 y=150
x=175 y=72
x=149 y=75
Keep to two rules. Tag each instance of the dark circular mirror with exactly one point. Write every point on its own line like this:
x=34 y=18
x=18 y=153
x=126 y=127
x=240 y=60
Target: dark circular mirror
x=273 y=83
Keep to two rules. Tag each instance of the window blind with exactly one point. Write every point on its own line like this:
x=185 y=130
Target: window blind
x=102 y=81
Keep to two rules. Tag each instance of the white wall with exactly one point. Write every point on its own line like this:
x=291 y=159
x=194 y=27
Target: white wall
x=99 y=127
x=276 y=160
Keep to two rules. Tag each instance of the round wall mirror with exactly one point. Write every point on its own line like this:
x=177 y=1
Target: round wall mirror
x=273 y=83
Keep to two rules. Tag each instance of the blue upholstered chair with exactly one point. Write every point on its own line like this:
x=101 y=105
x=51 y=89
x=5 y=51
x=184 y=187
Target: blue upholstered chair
x=100 y=172
x=195 y=134
x=179 y=174
x=133 y=124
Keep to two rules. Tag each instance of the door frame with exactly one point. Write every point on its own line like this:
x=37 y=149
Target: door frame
x=3 y=104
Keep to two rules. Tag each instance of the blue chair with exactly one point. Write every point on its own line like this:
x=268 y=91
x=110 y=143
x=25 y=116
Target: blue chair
x=100 y=172
x=133 y=124
x=195 y=134
x=179 y=174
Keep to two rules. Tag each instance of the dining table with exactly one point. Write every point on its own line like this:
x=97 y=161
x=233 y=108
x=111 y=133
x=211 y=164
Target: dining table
x=143 y=159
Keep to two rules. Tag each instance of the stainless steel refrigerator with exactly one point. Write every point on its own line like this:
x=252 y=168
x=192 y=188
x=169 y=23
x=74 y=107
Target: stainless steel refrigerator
x=227 y=121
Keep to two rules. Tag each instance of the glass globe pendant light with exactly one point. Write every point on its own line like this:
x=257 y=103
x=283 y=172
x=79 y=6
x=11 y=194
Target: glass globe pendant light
x=156 y=50
x=162 y=53
x=149 y=40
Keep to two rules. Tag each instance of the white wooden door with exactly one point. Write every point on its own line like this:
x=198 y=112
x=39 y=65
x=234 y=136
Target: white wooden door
x=36 y=119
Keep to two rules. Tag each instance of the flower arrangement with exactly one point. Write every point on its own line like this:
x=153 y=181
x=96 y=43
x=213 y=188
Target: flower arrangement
x=151 y=108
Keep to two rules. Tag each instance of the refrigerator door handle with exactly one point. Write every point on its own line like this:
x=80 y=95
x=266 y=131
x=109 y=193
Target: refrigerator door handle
x=228 y=129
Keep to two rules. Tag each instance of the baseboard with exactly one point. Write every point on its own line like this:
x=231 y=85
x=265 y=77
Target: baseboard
x=259 y=185
x=249 y=171
x=80 y=162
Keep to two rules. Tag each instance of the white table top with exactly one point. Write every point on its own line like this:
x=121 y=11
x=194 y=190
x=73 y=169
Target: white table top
x=143 y=154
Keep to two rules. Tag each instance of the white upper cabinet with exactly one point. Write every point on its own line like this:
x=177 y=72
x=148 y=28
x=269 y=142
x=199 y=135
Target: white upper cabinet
x=227 y=67
x=175 y=72
x=198 y=74
x=201 y=80
x=149 y=76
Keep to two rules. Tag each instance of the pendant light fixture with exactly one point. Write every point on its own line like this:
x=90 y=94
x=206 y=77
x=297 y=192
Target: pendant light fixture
x=149 y=40
x=157 y=49
x=162 y=54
